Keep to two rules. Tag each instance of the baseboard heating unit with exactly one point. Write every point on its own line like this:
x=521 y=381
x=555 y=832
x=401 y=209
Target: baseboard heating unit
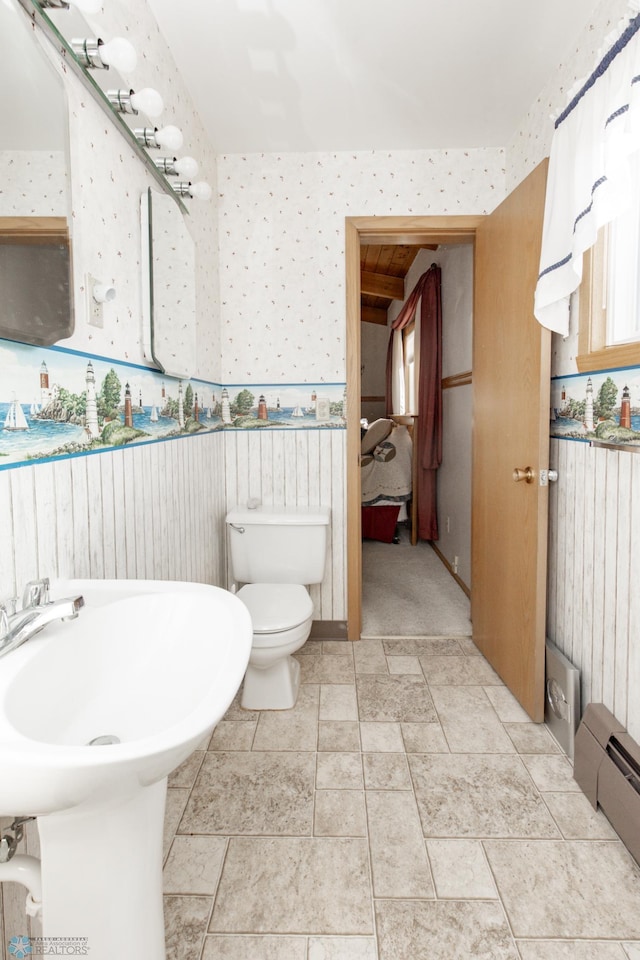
x=607 y=768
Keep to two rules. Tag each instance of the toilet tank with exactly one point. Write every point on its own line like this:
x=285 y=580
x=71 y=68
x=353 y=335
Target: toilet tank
x=276 y=545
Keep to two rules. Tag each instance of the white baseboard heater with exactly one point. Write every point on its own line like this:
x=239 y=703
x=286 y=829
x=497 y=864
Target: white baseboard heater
x=607 y=768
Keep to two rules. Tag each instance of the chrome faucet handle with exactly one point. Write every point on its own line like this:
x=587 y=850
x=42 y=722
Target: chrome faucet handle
x=36 y=593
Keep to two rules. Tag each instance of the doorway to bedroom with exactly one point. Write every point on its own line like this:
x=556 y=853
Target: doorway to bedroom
x=412 y=587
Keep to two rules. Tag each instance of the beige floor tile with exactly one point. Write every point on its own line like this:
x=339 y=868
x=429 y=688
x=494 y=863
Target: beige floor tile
x=416 y=647
x=468 y=647
x=316 y=886
x=460 y=870
x=338 y=647
x=469 y=721
x=342 y=948
x=220 y=947
x=462 y=796
x=577 y=819
x=551 y=773
x=294 y=729
x=339 y=771
x=174 y=808
x=404 y=698
x=632 y=950
x=368 y=656
x=443 y=930
x=194 y=865
x=185 y=921
x=570 y=889
x=311 y=646
x=338 y=701
x=339 y=736
x=382 y=737
x=399 y=665
x=339 y=813
x=185 y=775
x=236 y=712
x=531 y=738
x=233 y=735
x=458 y=670
x=386 y=771
x=252 y=793
x=328 y=668
x=424 y=738
x=570 y=950
x=506 y=705
x=399 y=861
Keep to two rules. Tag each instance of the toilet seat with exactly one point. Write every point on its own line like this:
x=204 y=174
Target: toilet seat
x=275 y=608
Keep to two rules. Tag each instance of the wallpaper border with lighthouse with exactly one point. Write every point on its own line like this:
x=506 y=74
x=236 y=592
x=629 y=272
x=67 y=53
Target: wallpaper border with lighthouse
x=56 y=402
x=602 y=405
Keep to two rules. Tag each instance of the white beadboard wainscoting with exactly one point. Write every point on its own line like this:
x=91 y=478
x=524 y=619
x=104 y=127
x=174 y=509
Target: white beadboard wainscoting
x=152 y=511
x=296 y=468
x=594 y=563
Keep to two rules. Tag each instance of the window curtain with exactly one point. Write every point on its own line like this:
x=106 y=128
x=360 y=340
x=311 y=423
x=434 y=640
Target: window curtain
x=589 y=171
x=427 y=292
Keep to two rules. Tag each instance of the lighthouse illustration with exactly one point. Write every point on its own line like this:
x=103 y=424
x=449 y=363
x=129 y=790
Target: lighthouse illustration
x=180 y=405
x=226 y=409
x=91 y=415
x=45 y=392
x=128 y=409
x=588 y=409
x=262 y=408
x=625 y=409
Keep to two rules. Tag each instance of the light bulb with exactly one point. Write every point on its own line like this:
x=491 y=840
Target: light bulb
x=200 y=191
x=186 y=167
x=169 y=137
x=148 y=101
x=86 y=6
x=119 y=53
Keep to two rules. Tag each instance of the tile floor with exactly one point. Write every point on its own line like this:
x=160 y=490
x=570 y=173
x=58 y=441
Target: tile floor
x=405 y=809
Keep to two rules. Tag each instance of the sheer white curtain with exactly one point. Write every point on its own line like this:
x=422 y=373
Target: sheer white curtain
x=589 y=172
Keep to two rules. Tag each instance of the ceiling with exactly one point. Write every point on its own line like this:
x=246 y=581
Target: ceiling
x=334 y=75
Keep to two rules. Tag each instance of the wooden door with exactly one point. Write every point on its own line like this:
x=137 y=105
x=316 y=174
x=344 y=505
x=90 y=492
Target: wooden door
x=511 y=369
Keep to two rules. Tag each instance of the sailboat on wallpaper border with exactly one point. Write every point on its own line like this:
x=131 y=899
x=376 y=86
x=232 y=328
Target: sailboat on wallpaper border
x=15 y=419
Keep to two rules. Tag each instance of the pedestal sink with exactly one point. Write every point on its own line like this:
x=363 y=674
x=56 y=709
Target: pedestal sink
x=94 y=714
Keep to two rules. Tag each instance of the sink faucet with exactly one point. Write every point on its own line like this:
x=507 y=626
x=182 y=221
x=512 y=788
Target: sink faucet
x=37 y=611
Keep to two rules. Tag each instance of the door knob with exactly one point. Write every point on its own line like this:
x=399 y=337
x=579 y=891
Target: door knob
x=527 y=474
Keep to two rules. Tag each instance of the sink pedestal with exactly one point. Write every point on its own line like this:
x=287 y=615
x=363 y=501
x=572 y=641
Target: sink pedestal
x=102 y=875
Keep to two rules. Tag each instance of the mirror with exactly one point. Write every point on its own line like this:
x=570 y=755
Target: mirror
x=35 y=252
x=170 y=297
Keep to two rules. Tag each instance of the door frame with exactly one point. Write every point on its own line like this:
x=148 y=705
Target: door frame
x=391 y=231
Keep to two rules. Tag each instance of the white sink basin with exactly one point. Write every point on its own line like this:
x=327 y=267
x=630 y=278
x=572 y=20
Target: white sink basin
x=155 y=664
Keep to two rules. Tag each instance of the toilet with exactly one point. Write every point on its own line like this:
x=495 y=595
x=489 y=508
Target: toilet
x=275 y=553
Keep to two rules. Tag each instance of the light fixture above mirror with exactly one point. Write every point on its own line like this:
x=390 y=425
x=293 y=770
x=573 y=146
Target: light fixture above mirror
x=95 y=62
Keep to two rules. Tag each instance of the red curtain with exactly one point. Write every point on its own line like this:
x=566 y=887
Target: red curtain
x=427 y=291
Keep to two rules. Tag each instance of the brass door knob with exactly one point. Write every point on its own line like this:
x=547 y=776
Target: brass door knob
x=527 y=474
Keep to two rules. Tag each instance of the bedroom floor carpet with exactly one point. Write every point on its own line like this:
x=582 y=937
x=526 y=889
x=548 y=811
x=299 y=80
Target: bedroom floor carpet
x=408 y=592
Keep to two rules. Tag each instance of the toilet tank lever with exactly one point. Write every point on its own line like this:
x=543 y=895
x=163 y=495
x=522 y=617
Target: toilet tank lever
x=236 y=526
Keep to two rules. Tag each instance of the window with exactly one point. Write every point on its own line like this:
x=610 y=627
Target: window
x=610 y=292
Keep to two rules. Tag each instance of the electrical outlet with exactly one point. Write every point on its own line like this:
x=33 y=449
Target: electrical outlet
x=95 y=311
x=456 y=561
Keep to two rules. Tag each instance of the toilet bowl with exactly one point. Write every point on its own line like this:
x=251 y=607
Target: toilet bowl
x=275 y=553
x=282 y=615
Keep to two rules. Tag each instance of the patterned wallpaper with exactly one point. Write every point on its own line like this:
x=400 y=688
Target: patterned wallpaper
x=34 y=183
x=282 y=261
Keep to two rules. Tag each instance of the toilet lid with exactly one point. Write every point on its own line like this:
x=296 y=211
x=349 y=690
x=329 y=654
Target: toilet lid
x=276 y=606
